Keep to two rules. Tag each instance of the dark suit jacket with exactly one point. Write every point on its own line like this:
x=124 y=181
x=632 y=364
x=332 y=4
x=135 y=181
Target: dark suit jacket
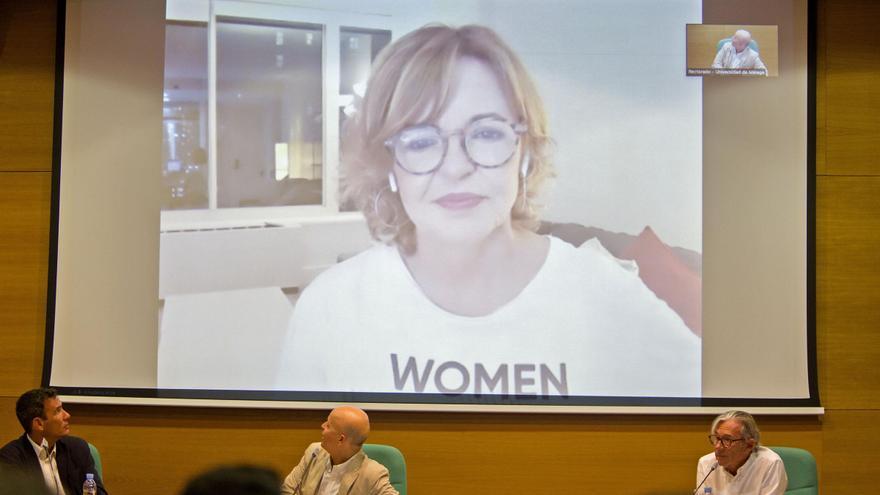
x=72 y=456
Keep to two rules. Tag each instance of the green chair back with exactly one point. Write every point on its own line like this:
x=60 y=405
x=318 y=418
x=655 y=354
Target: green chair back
x=97 y=458
x=393 y=460
x=800 y=467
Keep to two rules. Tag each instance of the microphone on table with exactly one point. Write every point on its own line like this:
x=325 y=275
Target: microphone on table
x=305 y=473
x=714 y=467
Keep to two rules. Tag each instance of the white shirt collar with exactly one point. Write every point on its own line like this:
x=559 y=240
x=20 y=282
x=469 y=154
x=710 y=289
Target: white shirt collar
x=39 y=449
x=746 y=465
x=48 y=465
x=339 y=469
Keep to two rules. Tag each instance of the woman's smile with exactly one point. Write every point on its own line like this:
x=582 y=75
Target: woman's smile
x=459 y=201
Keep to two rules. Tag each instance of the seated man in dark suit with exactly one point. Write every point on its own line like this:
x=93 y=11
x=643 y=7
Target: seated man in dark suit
x=46 y=450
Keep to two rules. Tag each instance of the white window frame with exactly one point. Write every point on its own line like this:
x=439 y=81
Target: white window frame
x=331 y=22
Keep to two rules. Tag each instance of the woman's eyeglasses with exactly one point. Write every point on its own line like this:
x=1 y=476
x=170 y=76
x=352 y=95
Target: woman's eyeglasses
x=489 y=142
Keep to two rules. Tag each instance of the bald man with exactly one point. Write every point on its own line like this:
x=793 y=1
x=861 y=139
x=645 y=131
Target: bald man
x=736 y=54
x=337 y=465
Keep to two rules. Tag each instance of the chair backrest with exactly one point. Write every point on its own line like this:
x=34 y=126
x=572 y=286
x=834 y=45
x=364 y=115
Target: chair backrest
x=800 y=467
x=96 y=456
x=752 y=44
x=393 y=460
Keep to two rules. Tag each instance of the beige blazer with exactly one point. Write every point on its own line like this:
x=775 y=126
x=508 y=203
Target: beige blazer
x=366 y=477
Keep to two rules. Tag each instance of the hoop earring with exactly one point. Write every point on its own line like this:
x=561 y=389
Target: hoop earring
x=524 y=174
x=392 y=182
x=376 y=198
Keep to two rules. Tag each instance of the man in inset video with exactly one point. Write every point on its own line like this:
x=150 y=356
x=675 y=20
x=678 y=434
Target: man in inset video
x=737 y=54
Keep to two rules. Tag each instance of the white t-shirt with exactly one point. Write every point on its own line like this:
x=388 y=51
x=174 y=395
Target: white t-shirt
x=586 y=324
x=762 y=474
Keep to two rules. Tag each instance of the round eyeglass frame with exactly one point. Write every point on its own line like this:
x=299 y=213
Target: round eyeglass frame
x=518 y=129
x=725 y=442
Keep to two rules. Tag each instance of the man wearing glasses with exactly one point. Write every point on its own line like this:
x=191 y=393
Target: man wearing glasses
x=739 y=464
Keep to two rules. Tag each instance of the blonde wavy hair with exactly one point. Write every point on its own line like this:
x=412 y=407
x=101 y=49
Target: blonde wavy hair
x=412 y=83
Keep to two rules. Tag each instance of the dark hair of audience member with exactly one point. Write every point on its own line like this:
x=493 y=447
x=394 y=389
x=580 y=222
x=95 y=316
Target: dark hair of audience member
x=17 y=482
x=235 y=480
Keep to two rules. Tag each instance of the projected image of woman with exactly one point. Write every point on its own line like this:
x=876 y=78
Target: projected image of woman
x=446 y=157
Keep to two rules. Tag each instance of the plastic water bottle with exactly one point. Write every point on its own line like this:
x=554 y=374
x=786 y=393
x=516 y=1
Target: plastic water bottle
x=89 y=485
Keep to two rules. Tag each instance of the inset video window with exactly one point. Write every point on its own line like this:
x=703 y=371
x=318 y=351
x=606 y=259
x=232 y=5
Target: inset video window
x=732 y=50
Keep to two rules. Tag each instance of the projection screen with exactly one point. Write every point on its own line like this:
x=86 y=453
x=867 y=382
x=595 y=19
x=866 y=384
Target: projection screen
x=564 y=206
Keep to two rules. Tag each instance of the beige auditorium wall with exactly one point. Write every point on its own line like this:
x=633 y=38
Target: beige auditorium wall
x=847 y=239
x=476 y=453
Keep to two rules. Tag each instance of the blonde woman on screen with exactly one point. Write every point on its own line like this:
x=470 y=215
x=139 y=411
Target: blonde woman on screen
x=445 y=157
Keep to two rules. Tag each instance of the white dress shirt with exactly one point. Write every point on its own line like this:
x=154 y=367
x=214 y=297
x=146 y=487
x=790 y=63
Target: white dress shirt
x=48 y=465
x=728 y=58
x=762 y=474
x=333 y=476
